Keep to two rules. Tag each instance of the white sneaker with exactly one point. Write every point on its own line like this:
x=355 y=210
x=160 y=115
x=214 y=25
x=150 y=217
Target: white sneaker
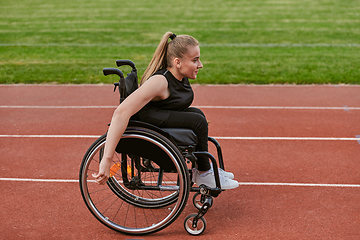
x=208 y=179
x=224 y=173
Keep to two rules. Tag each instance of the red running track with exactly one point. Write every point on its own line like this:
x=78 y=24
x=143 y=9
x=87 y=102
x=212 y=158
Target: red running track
x=293 y=148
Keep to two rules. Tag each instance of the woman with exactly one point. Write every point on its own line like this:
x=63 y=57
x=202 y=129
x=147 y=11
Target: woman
x=163 y=99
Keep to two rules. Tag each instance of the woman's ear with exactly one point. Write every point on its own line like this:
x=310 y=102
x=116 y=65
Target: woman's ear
x=177 y=62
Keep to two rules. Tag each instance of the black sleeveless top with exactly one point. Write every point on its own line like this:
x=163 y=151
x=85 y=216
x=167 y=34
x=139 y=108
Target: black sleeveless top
x=181 y=93
x=180 y=98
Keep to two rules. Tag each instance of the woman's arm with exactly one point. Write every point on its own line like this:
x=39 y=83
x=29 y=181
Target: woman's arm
x=155 y=87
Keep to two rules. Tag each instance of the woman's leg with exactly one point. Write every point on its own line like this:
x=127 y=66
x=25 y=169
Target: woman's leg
x=194 y=119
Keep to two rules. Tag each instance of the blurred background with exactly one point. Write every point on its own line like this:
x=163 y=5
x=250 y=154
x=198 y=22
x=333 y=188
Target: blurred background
x=258 y=41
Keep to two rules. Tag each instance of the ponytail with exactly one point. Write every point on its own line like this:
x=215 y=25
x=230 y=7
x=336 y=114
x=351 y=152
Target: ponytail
x=166 y=51
x=158 y=61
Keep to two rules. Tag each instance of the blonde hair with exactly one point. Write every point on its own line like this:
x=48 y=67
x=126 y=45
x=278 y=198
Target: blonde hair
x=166 y=51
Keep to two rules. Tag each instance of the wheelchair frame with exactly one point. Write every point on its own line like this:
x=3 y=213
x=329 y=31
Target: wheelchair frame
x=150 y=179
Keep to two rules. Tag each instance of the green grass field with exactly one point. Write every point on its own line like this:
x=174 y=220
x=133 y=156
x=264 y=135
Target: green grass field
x=242 y=41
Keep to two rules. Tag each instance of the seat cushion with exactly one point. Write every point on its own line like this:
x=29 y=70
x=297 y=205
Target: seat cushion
x=182 y=136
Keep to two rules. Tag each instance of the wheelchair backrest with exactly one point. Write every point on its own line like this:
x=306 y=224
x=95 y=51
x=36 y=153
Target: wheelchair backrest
x=131 y=83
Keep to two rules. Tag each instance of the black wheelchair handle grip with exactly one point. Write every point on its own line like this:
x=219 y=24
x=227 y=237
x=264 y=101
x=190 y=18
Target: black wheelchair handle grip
x=109 y=71
x=120 y=63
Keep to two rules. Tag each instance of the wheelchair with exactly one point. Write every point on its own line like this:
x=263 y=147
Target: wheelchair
x=151 y=176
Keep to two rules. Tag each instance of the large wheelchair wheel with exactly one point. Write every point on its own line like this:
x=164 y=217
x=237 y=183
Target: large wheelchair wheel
x=148 y=186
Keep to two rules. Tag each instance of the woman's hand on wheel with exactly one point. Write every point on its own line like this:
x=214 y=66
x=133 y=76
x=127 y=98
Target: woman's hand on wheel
x=104 y=172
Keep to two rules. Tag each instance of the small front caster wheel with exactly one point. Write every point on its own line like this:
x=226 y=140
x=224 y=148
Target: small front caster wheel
x=192 y=227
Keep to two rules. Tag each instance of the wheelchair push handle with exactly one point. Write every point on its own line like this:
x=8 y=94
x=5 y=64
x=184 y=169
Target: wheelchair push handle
x=109 y=71
x=120 y=63
x=121 y=83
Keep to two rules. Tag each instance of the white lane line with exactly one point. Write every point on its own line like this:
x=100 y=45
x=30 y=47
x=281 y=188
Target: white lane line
x=38 y=180
x=241 y=183
x=299 y=184
x=57 y=107
x=357 y=138
x=291 y=138
x=346 y=108
x=50 y=136
x=282 y=107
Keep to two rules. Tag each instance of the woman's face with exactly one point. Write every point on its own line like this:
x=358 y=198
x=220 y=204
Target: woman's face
x=190 y=63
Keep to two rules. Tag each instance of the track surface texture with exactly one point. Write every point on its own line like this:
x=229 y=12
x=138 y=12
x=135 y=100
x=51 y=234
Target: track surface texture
x=294 y=149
